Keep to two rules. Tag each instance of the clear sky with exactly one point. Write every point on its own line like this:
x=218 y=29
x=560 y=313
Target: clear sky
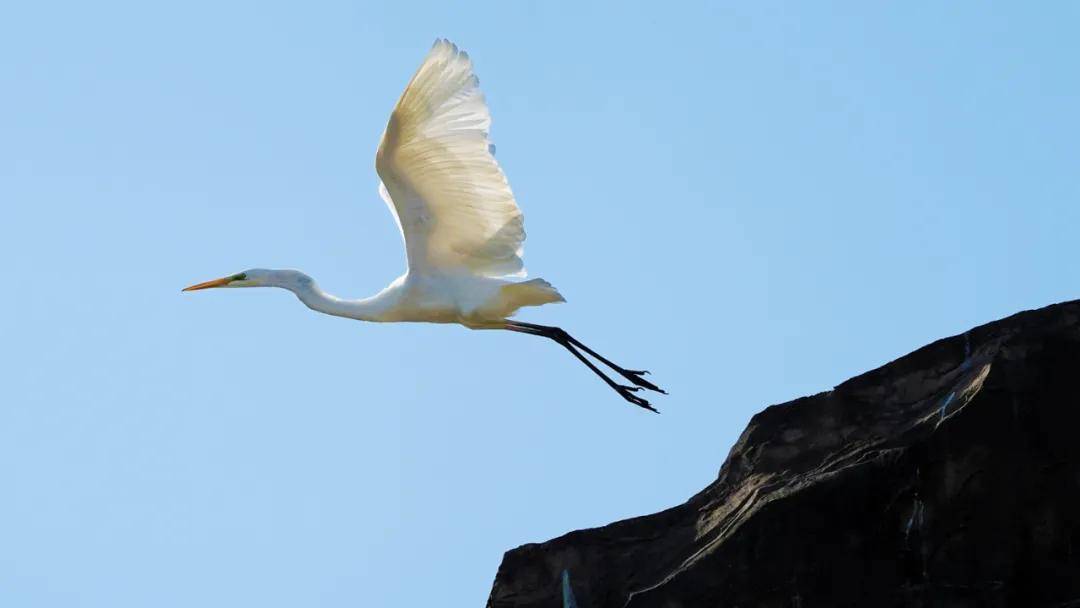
x=754 y=201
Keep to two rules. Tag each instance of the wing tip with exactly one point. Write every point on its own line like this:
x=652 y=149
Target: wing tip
x=445 y=43
x=452 y=50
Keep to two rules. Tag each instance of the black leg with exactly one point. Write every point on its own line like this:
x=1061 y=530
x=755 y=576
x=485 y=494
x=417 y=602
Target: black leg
x=561 y=337
x=629 y=374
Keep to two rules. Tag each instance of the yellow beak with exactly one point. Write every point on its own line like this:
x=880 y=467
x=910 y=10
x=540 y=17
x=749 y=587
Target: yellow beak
x=207 y=285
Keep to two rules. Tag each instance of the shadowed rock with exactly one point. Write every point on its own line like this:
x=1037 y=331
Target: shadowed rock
x=949 y=477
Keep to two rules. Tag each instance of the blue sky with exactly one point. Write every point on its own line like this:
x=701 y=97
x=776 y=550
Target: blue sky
x=754 y=201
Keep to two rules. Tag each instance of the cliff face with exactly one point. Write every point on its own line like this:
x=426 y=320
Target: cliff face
x=949 y=477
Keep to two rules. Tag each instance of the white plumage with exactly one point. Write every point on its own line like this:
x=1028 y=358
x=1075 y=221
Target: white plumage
x=447 y=191
x=462 y=229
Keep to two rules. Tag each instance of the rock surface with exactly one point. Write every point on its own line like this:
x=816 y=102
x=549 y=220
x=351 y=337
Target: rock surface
x=949 y=477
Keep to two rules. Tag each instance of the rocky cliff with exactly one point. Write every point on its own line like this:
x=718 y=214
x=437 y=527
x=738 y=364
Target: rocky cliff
x=949 y=477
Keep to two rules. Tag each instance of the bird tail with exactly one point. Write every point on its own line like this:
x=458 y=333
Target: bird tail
x=535 y=292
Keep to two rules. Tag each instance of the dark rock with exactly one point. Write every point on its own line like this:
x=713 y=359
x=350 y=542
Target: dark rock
x=949 y=477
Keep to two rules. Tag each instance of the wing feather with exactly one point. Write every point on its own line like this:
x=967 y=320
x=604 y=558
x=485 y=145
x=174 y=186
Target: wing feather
x=450 y=197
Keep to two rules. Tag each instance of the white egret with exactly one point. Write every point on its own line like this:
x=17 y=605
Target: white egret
x=463 y=232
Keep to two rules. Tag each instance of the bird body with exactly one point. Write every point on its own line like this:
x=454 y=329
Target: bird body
x=468 y=300
x=462 y=229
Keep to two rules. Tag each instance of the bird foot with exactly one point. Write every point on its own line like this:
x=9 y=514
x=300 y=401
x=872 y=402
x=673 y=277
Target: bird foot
x=636 y=377
x=627 y=393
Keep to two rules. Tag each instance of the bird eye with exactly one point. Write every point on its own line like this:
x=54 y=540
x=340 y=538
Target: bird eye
x=238 y=277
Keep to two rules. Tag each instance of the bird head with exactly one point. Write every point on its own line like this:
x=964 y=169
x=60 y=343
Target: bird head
x=256 y=277
x=293 y=280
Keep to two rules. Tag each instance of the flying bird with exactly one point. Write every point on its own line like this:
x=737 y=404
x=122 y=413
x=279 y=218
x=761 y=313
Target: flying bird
x=462 y=229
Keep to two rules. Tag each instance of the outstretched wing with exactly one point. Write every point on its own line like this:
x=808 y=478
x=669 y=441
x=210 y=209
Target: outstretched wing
x=440 y=179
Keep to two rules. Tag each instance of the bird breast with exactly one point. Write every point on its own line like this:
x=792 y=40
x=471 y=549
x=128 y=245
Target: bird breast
x=438 y=298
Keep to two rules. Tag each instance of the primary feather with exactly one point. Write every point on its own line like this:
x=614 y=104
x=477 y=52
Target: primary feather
x=447 y=192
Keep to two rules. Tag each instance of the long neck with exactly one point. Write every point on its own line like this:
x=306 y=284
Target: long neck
x=368 y=309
